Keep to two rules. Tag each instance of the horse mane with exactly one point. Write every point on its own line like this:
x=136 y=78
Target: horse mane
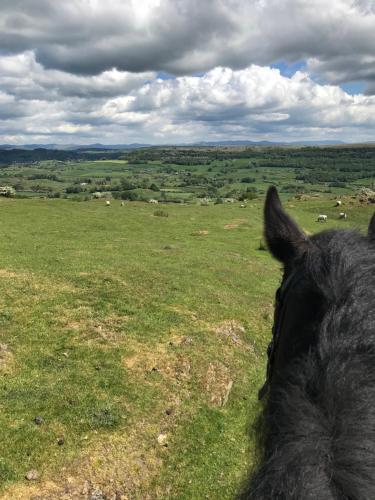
x=318 y=422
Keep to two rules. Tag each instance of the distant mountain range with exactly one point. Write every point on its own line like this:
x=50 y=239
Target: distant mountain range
x=116 y=147
x=75 y=147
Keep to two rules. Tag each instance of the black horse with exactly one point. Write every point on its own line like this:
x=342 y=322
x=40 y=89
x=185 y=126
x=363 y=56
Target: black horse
x=318 y=420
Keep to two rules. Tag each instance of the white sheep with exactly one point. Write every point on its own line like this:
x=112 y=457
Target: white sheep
x=343 y=215
x=108 y=203
x=322 y=218
x=338 y=203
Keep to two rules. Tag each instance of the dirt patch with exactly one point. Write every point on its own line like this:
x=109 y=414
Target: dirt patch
x=306 y=197
x=202 y=232
x=143 y=358
x=184 y=311
x=218 y=384
x=171 y=365
x=123 y=465
x=75 y=325
x=37 y=284
x=180 y=340
x=235 y=224
x=6 y=360
x=232 y=330
x=119 y=468
x=111 y=328
x=267 y=311
x=5 y=273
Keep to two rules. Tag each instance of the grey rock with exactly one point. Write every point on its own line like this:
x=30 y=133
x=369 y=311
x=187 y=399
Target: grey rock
x=32 y=475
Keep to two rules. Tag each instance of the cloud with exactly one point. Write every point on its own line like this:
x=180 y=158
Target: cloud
x=88 y=70
x=188 y=36
x=248 y=96
x=251 y=103
x=348 y=68
x=23 y=76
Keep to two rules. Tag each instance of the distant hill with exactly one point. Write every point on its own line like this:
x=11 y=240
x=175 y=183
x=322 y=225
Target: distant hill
x=122 y=147
x=38 y=154
x=8 y=156
x=267 y=143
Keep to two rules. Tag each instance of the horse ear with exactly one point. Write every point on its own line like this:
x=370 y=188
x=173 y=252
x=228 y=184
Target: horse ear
x=371 y=229
x=284 y=238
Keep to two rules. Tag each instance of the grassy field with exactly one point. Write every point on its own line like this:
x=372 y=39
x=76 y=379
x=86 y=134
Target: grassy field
x=139 y=340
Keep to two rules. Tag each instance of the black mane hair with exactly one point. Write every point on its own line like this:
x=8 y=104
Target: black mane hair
x=318 y=421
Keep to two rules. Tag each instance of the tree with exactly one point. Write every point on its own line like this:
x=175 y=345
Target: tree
x=126 y=185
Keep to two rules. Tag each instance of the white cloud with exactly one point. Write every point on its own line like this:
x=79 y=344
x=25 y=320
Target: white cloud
x=249 y=95
x=248 y=103
x=252 y=103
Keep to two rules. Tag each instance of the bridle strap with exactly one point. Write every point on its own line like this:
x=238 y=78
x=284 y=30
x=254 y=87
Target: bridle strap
x=281 y=294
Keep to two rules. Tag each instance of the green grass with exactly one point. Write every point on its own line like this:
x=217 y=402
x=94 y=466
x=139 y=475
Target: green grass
x=115 y=326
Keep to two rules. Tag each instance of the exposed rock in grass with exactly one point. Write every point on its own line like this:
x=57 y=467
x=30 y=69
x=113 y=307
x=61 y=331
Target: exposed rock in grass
x=162 y=439
x=32 y=475
x=218 y=383
x=366 y=195
x=38 y=420
x=231 y=330
x=180 y=340
x=97 y=494
x=181 y=368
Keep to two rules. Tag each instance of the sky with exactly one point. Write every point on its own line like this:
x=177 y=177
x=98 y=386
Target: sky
x=181 y=71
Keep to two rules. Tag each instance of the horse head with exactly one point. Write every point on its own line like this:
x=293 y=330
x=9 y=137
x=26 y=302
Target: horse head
x=307 y=289
x=316 y=431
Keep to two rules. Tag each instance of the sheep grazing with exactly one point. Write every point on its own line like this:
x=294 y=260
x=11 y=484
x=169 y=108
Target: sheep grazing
x=338 y=203
x=343 y=215
x=122 y=203
x=155 y=202
x=322 y=218
x=108 y=203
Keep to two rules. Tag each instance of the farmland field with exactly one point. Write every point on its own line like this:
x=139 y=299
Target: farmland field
x=189 y=174
x=138 y=340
